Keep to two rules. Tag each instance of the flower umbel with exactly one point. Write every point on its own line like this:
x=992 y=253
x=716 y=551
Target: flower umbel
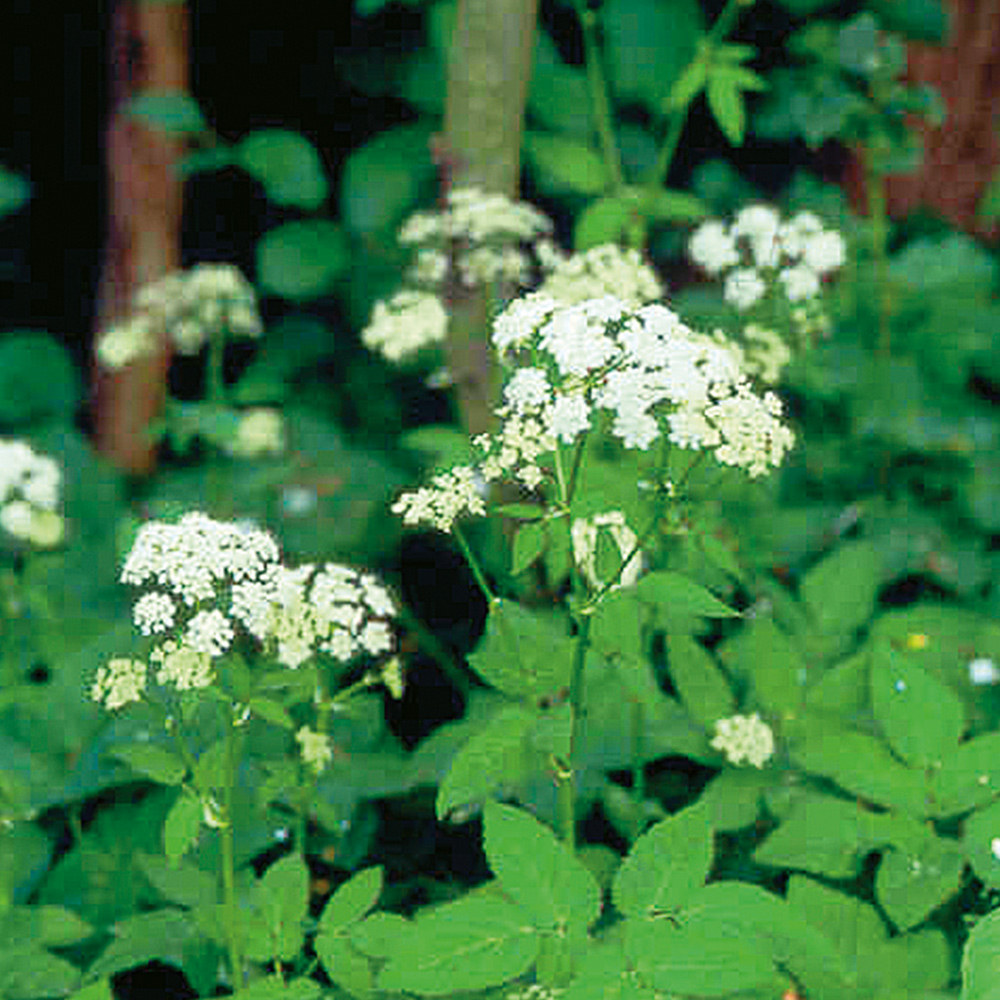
x=744 y=737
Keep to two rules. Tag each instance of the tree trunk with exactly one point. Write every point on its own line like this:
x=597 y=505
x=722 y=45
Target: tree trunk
x=149 y=53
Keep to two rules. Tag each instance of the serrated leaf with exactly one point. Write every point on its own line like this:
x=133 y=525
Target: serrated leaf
x=302 y=260
x=175 y=112
x=472 y=944
x=288 y=166
x=666 y=866
x=154 y=762
x=538 y=871
x=921 y=718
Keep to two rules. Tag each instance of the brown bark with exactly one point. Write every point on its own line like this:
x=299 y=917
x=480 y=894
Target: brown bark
x=491 y=55
x=962 y=155
x=149 y=52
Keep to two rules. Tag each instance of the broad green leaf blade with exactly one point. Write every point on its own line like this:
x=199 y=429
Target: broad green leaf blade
x=283 y=896
x=667 y=865
x=302 y=260
x=911 y=883
x=981 y=958
x=162 y=935
x=494 y=758
x=352 y=900
x=921 y=718
x=725 y=99
x=538 y=871
x=153 y=762
x=603 y=973
x=271 y=711
x=275 y=988
x=968 y=778
x=710 y=952
x=182 y=825
x=841 y=590
x=42 y=926
x=565 y=166
x=681 y=598
x=32 y=972
x=525 y=654
x=101 y=990
x=175 y=112
x=529 y=543
x=38 y=381
x=700 y=682
x=473 y=944
x=603 y=221
x=288 y=166
x=346 y=966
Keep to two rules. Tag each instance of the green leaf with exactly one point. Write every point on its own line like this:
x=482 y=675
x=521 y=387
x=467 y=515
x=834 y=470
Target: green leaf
x=175 y=112
x=709 y=952
x=688 y=85
x=558 y=97
x=679 y=598
x=604 y=221
x=31 y=972
x=538 y=871
x=496 y=757
x=921 y=20
x=565 y=166
x=384 y=179
x=603 y=973
x=912 y=883
x=182 y=883
x=665 y=205
x=275 y=988
x=42 y=926
x=271 y=711
x=38 y=381
x=302 y=260
x=666 y=866
x=472 y=944
x=154 y=762
x=725 y=99
x=352 y=900
x=101 y=990
x=981 y=958
x=763 y=654
x=14 y=191
x=700 y=682
x=282 y=899
x=842 y=589
x=968 y=777
x=288 y=166
x=163 y=935
x=525 y=654
x=380 y=934
x=647 y=46
x=345 y=965
x=182 y=825
x=921 y=718
x=529 y=543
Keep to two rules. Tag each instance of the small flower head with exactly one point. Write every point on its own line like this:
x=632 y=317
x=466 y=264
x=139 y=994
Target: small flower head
x=451 y=495
x=983 y=670
x=406 y=324
x=29 y=494
x=315 y=748
x=185 y=668
x=744 y=737
x=119 y=682
x=603 y=270
x=261 y=431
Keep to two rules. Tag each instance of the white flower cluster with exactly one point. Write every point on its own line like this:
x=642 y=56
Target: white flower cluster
x=647 y=369
x=765 y=353
x=451 y=495
x=758 y=249
x=29 y=495
x=211 y=579
x=261 y=431
x=187 y=307
x=316 y=748
x=485 y=232
x=405 y=324
x=744 y=737
x=584 y=535
x=603 y=270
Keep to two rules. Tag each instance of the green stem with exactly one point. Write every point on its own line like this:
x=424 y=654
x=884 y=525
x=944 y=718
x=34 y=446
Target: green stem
x=477 y=570
x=227 y=837
x=600 y=105
x=438 y=652
x=638 y=718
x=565 y=771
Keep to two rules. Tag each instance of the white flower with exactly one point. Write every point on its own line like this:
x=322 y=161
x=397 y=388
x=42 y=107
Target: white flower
x=26 y=475
x=185 y=668
x=824 y=252
x=567 y=418
x=209 y=632
x=517 y=324
x=154 y=612
x=192 y=557
x=120 y=682
x=983 y=670
x=451 y=495
x=744 y=287
x=316 y=748
x=576 y=336
x=122 y=343
x=405 y=325
x=800 y=282
x=744 y=737
x=712 y=248
x=603 y=270
x=261 y=431
x=766 y=353
x=527 y=389
x=42 y=528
